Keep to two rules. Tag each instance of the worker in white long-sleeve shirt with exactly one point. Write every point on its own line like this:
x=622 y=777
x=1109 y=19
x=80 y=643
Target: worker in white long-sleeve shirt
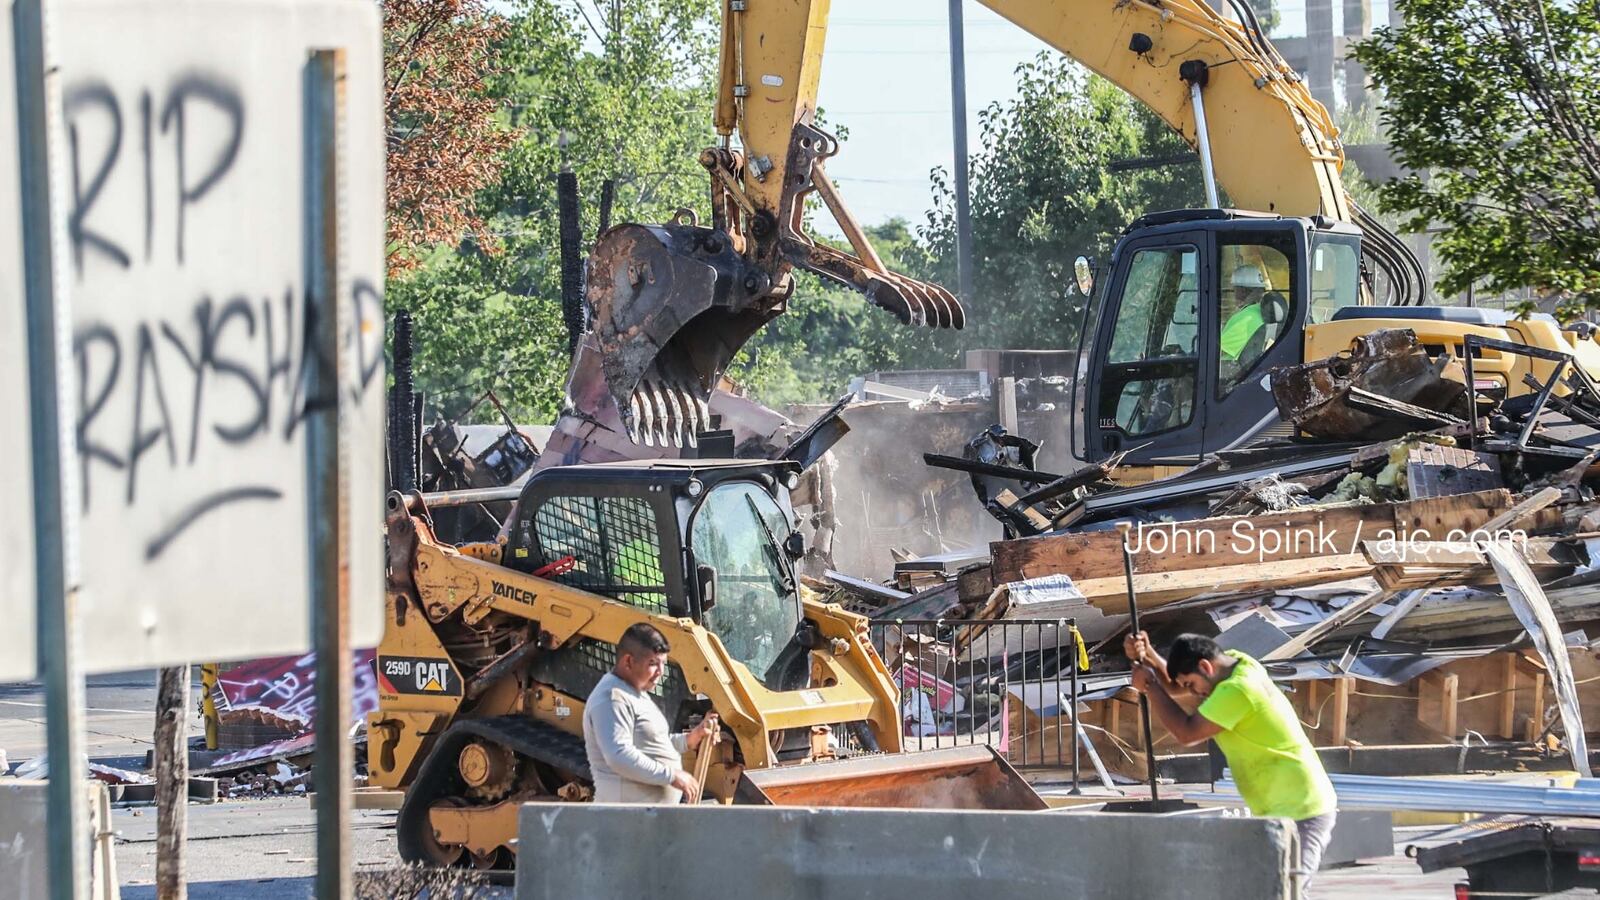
x=633 y=756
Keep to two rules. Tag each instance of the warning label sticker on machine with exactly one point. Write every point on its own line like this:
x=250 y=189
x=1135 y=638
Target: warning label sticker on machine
x=418 y=675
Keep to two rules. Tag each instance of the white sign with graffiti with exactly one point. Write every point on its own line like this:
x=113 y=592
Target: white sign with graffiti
x=184 y=156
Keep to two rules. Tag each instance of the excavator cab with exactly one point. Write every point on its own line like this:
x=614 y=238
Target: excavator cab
x=1198 y=307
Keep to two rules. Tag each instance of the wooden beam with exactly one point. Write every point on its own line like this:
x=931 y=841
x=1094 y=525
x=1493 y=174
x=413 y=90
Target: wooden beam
x=1313 y=707
x=1536 y=720
x=1256 y=540
x=1341 y=709
x=1508 y=696
x=1452 y=685
x=1522 y=510
x=1339 y=619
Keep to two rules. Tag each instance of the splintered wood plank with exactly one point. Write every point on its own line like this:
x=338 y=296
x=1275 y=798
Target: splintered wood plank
x=1291 y=535
x=1434 y=470
x=1537 y=551
x=1110 y=595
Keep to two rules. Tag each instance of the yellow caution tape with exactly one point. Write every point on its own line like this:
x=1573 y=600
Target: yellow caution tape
x=1083 y=649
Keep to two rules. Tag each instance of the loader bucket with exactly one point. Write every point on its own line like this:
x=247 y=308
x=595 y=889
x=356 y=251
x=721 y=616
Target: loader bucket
x=972 y=777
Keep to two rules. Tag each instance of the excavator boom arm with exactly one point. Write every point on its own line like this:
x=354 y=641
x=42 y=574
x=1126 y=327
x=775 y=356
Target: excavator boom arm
x=671 y=305
x=1274 y=147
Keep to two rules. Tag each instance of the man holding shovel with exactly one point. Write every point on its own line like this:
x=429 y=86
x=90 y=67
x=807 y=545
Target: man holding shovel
x=1274 y=765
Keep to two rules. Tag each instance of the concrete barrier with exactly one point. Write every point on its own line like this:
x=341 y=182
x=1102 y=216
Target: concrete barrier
x=788 y=853
x=24 y=863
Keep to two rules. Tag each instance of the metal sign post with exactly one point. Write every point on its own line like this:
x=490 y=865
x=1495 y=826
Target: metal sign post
x=327 y=465
x=50 y=388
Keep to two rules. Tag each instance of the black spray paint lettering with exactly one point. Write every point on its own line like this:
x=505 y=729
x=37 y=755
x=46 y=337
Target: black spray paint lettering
x=223 y=369
x=197 y=168
x=252 y=354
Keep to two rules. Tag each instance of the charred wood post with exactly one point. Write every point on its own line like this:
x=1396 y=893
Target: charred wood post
x=403 y=409
x=172 y=782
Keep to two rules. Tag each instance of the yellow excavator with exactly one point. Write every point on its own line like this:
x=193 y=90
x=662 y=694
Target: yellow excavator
x=490 y=649
x=671 y=304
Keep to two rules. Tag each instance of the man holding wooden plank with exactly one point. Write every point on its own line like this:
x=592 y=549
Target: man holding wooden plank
x=1274 y=765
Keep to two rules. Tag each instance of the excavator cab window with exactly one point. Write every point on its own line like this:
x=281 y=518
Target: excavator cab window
x=1152 y=364
x=1335 y=275
x=1255 y=294
x=737 y=531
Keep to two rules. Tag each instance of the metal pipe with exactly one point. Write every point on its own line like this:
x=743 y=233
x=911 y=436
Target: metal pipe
x=1073 y=623
x=1203 y=138
x=1451 y=795
x=51 y=397
x=466 y=498
x=327 y=461
x=1144 y=702
x=958 y=134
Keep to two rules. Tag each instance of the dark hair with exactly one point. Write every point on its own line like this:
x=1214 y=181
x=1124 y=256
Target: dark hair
x=642 y=639
x=1183 y=657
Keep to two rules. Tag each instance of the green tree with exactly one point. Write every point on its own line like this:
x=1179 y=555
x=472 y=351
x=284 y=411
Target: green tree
x=627 y=97
x=1043 y=192
x=1495 y=106
x=829 y=334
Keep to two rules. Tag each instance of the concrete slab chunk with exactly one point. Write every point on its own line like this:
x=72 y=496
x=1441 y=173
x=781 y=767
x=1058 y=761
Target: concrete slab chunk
x=667 y=853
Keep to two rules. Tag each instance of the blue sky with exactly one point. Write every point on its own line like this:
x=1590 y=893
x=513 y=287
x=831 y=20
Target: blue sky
x=886 y=77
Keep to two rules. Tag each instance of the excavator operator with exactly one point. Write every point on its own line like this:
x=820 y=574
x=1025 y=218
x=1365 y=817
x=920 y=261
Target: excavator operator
x=1254 y=325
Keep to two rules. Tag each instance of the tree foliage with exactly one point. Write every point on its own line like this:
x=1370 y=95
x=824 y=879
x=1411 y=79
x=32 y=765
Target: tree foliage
x=444 y=136
x=1495 y=106
x=624 y=91
x=626 y=97
x=1042 y=193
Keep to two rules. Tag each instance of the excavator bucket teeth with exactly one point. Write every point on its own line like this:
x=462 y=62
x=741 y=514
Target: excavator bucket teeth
x=911 y=300
x=970 y=777
x=670 y=305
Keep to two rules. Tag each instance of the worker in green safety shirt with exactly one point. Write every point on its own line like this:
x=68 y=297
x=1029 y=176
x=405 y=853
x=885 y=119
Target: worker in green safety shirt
x=1249 y=285
x=1254 y=325
x=1274 y=765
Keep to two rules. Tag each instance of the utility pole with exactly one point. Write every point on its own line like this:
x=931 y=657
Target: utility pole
x=51 y=398
x=958 y=128
x=327 y=467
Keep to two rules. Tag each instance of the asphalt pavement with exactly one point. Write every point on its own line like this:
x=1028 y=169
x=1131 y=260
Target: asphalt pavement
x=265 y=849
x=119 y=717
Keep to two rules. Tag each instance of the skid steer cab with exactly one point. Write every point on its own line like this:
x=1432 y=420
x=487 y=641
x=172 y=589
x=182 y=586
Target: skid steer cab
x=491 y=649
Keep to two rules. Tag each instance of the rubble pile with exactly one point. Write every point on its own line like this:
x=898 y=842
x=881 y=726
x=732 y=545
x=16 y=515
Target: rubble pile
x=1413 y=534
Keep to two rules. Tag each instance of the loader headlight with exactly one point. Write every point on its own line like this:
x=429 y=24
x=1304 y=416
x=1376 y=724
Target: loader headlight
x=791 y=480
x=695 y=487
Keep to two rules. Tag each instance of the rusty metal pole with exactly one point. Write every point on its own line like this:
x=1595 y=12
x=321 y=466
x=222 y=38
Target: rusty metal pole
x=172 y=782
x=958 y=129
x=327 y=465
x=51 y=397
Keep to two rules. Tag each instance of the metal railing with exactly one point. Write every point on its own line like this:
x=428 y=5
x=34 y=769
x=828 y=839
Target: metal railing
x=1011 y=684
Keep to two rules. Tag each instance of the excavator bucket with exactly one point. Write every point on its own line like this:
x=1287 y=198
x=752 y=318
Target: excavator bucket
x=969 y=777
x=670 y=307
